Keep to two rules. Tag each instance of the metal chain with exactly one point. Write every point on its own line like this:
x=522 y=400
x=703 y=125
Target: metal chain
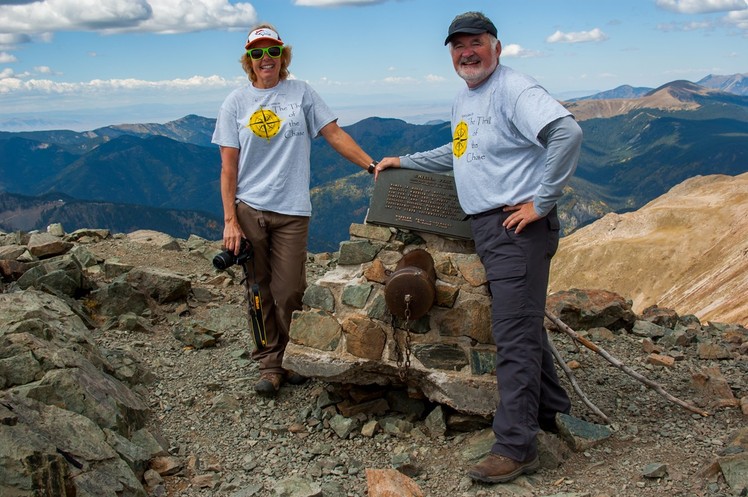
x=398 y=351
x=404 y=373
x=403 y=365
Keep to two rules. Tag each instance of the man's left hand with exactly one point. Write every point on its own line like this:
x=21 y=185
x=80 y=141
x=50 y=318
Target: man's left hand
x=384 y=164
x=521 y=215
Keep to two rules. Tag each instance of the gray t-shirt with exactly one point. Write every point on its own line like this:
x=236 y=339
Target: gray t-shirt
x=273 y=128
x=495 y=152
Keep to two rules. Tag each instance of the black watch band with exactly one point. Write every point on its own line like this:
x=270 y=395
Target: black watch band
x=372 y=166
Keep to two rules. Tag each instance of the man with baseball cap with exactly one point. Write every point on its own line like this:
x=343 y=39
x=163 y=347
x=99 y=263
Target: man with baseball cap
x=470 y=24
x=514 y=149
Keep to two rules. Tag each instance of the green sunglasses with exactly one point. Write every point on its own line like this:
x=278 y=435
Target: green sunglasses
x=258 y=53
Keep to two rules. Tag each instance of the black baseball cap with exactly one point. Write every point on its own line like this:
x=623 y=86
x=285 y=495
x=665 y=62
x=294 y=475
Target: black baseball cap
x=470 y=24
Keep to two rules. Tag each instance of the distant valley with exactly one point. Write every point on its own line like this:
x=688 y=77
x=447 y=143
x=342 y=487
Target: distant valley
x=166 y=176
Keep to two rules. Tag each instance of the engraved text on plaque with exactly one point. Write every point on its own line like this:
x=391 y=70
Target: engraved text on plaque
x=404 y=198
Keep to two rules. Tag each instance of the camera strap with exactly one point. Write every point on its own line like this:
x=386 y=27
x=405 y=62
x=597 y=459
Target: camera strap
x=254 y=311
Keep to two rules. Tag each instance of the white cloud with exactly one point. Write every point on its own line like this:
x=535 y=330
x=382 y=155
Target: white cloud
x=686 y=26
x=325 y=81
x=335 y=3
x=702 y=6
x=12 y=40
x=43 y=69
x=433 y=78
x=177 y=16
x=595 y=35
x=399 y=80
x=514 y=50
x=115 y=16
x=6 y=58
x=63 y=15
x=46 y=86
x=738 y=19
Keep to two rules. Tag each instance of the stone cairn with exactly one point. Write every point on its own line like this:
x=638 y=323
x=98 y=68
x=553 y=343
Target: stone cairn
x=347 y=334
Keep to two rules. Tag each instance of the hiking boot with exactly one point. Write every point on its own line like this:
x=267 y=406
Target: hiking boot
x=269 y=384
x=496 y=468
x=295 y=378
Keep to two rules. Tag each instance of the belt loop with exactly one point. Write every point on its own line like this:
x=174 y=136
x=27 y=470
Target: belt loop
x=261 y=220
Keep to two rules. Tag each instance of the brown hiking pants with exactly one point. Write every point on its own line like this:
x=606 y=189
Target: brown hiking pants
x=279 y=268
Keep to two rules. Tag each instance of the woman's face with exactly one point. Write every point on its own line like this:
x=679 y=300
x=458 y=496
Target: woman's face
x=266 y=68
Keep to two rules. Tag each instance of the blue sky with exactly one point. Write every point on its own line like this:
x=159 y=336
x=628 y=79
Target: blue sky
x=79 y=64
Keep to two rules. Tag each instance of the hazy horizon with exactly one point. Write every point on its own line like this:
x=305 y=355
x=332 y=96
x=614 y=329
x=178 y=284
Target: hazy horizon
x=86 y=64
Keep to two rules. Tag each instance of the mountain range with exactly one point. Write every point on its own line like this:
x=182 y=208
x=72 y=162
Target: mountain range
x=735 y=83
x=166 y=176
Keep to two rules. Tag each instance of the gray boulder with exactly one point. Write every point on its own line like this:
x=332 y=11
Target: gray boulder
x=67 y=426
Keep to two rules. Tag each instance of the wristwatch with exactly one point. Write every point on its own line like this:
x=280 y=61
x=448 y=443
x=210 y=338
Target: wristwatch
x=372 y=166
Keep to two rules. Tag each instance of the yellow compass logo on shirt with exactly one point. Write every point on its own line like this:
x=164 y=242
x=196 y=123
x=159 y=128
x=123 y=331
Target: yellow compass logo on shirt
x=265 y=123
x=459 y=140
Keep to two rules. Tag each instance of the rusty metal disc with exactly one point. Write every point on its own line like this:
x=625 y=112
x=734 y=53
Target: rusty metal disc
x=416 y=283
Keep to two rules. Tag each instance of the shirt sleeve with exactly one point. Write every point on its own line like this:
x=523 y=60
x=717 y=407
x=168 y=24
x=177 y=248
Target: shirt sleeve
x=533 y=110
x=437 y=160
x=563 y=141
x=226 y=133
x=320 y=115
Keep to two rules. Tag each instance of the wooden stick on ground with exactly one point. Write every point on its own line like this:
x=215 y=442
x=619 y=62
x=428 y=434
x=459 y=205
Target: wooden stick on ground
x=574 y=384
x=617 y=363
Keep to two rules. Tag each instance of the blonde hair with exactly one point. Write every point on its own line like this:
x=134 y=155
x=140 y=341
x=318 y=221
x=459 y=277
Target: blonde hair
x=246 y=60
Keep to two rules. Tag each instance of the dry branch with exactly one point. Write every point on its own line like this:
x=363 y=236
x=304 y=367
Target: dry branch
x=574 y=384
x=620 y=365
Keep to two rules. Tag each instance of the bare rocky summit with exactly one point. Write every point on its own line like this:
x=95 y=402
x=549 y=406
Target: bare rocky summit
x=236 y=443
x=161 y=320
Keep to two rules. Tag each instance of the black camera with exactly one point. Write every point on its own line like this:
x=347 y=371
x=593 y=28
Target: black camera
x=226 y=259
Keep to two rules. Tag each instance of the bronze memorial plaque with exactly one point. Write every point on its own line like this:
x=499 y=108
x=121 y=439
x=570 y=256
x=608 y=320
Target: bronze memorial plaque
x=420 y=201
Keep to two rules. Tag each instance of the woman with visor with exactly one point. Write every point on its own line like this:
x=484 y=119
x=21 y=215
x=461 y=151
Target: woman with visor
x=264 y=131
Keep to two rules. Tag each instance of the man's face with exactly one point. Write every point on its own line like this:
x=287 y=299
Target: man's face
x=473 y=58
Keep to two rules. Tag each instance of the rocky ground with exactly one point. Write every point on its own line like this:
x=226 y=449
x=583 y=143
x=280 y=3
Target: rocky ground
x=235 y=443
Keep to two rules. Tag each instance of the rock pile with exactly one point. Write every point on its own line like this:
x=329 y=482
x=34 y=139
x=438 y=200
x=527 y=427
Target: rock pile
x=348 y=334
x=74 y=416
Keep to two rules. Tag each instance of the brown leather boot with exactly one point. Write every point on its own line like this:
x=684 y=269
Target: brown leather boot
x=496 y=468
x=269 y=384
